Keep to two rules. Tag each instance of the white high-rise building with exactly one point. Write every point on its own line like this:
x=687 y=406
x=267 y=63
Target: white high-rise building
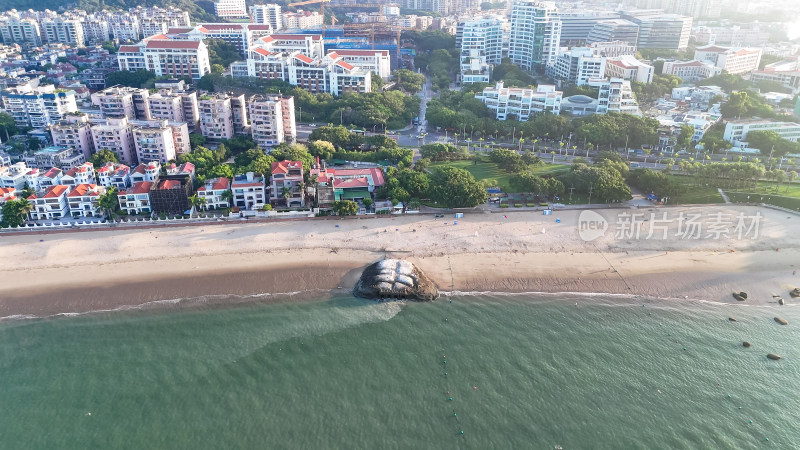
x=230 y=9
x=577 y=66
x=481 y=42
x=45 y=106
x=166 y=57
x=20 y=31
x=615 y=95
x=65 y=31
x=535 y=34
x=272 y=120
x=269 y=14
x=302 y=19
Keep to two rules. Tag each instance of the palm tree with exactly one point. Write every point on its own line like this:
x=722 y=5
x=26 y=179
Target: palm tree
x=588 y=147
x=534 y=145
x=196 y=202
x=228 y=197
x=554 y=157
x=791 y=175
x=286 y=193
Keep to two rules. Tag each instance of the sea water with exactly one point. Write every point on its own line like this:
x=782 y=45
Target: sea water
x=483 y=371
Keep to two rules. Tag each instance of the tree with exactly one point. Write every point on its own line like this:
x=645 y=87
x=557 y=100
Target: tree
x=196 y=140
x=100 y=158
x=770 y=143
x=415 y=183
x=217 y=68
x=336 y=135
x=345 y=208
x=132 y=79
x=109 y=45
x=109 y=202
x=293 y=152
x=367 y=202
x=8 y=126
x=408 y=81
x=323 y=149
x=15 y=212
x=221 y=52
x=442 y=152
x=33 y=143
x=685 y=136
x=456 y=188
x=197 y=202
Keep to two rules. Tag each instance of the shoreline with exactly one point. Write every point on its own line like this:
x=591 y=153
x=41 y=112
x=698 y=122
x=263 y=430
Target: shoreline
x=527 y=252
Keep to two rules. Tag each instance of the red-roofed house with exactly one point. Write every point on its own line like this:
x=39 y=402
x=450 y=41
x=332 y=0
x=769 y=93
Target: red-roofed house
x=146 y=172
x=214 y=193
x=287 y=184
x=136 y=199
x=114 y=174
x=83 y=200
x=83 y=174
x=52 y=204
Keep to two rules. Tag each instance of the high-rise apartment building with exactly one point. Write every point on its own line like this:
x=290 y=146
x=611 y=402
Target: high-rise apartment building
x=74 y=132
x=23 y=31
x=216 y=117
x=481 y=42
x=272 y=120
x=44 y=106
x=269 y=14
x=535 y=34
x=64 y=31
x=116 y=134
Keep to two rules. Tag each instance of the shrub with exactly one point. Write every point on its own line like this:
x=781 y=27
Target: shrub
x=517 y=205
x=530 y=205
x=504 y=205
x=543 y=204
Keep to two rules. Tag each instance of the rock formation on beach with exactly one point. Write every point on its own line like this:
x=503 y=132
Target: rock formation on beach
x=395 y=278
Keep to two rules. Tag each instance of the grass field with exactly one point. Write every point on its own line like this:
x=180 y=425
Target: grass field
x=490 y=171
x=784 y=189
x=695 y=194
x=777 y=200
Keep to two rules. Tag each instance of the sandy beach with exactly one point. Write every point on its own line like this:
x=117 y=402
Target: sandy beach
x=46 y=274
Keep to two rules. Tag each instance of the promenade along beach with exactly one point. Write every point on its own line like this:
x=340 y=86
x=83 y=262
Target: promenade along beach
x=75 y=272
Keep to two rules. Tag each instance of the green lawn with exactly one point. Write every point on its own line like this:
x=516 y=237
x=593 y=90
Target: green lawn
x=695 y=194
x=777 y=200
x=490 y=171
x=784 y=189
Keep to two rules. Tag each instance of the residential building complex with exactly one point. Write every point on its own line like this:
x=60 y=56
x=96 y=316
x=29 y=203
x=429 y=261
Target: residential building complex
x=44 y=106
x=287 y=184
x=272 y=120
x=520 y=103
x=731 y=60
x=249 y=191
x=577 y=66
x=629 y=68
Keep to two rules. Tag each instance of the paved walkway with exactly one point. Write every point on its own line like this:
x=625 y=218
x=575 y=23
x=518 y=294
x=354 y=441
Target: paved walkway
x=724 y=196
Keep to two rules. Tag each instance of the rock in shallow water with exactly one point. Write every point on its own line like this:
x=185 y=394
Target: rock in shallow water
x=773 y=356
x=395 y=278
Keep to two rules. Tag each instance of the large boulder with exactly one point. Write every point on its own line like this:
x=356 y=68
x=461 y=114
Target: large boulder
x=395 y=279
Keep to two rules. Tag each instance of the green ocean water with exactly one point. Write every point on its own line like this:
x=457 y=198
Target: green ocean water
x=348 y=373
